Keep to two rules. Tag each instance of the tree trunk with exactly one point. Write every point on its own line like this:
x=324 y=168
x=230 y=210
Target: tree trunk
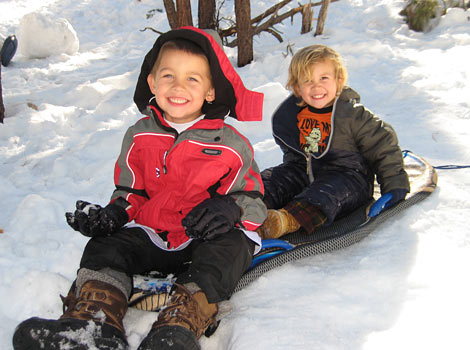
x=206 y=14
x=244 y=32
x=322 y=17
x=171 y=13
x=183 y=10
x=307 y=16
x=2 y=109
x=179 y=15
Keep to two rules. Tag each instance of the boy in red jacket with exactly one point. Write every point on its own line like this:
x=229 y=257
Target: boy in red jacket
x=188 y=198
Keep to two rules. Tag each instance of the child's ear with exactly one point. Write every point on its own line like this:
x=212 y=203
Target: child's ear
x=210 y=97
x=151 y=82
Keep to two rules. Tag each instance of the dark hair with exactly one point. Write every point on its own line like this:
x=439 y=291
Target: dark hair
x=178 y=44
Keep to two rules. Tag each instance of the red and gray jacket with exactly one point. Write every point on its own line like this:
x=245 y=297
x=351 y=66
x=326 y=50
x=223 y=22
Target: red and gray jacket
x=163 y=174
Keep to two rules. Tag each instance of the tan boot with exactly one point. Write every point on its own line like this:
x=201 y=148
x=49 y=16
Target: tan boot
x=185 y=319
x=96 y=296
x=94 y=316
x=278 y=223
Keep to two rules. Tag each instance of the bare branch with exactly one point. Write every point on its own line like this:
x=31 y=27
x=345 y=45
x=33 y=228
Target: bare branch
x=152 y=29
x=270 y=11
x=289 y=50
x=268 y=25
x=275 y=34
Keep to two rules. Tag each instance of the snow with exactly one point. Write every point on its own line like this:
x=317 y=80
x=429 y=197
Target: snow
x=42 y=37
x=406 y=286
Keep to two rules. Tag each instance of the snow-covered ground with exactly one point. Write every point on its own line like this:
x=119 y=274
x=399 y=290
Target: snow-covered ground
x=406 y=286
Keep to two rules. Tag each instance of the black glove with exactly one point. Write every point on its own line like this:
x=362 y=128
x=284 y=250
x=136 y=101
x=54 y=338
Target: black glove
x=398 y=195
x=93 y=220
x=212 y=217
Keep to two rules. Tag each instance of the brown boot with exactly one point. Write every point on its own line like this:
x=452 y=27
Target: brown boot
x=96 y=296
x=99 y=302
x=278 y=223
x=186 y=318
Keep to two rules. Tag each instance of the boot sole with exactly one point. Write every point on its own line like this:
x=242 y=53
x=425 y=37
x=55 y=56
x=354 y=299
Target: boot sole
x=40 y=334
x=170 y=338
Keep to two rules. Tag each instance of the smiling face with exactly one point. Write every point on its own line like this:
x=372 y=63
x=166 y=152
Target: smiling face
x=320 y=88
x=181 y=82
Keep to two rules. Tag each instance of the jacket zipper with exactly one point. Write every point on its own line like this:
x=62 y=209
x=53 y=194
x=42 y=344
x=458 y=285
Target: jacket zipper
x=165 y=155
x=308 y=157
x=309 y=168
x=164 y=163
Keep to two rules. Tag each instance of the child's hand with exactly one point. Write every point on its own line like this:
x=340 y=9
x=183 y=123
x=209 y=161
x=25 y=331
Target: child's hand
x=397 y=195
x=212 y=217
x=387 y=200
x=93 y=220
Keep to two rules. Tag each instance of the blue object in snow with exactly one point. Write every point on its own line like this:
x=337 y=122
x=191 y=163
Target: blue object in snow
x=281 y=245
x=8 y=49
x=380 y=205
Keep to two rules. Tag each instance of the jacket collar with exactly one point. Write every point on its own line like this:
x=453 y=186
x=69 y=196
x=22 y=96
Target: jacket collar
x=205 y=123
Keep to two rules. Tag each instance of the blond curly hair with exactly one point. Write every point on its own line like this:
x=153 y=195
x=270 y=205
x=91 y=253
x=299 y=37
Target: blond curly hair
x=301 y=66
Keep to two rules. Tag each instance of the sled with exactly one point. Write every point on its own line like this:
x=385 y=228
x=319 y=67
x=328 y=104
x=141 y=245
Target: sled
x=152 y=290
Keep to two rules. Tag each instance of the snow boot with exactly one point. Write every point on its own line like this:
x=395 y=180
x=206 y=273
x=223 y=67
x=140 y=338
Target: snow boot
x=93 y=320
x=278 y=223
x=186 y=318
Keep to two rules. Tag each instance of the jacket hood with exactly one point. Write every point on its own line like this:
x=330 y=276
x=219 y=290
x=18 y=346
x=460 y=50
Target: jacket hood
x=349 y=94
x=231 y=96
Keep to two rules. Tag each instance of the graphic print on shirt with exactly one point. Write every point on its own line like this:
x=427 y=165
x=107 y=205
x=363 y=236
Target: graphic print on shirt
x=312 y=141
x=315 y=129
